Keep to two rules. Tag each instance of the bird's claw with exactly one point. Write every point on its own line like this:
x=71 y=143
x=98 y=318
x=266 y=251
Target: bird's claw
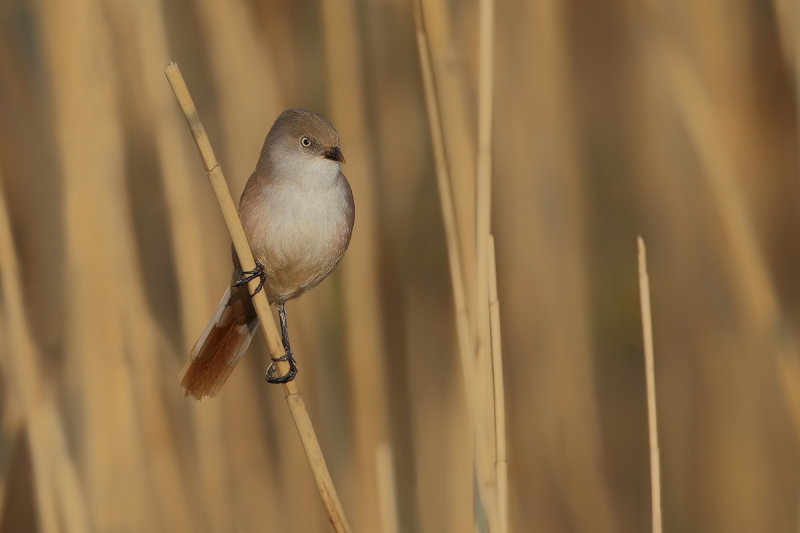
x=249 y=275
x=287 y=377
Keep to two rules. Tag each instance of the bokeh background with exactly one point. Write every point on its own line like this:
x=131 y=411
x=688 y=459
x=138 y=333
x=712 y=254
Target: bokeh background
x=676 y=121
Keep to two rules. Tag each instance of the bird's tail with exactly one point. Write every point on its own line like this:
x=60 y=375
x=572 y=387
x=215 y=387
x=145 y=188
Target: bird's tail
x=223 y=341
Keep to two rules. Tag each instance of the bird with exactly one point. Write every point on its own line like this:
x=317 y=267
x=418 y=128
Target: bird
x=297 y=211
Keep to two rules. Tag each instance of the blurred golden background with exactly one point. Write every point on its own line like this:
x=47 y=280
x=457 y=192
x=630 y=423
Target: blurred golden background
x=673 y=120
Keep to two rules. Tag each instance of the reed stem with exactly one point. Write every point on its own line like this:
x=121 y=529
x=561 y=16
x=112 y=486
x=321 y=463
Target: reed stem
x=647 y=333
x=501 y=463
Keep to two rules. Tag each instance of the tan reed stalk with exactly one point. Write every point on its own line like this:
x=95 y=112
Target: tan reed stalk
x=363 y=316
x=294 y=397
x=387 y=488
x=486 y=451
x=647 y=335
x=58 y=495
x=501 y=463
x=484 y=166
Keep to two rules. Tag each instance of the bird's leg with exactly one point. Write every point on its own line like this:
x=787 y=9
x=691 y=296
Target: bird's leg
x=287 y=356
x=249 y=275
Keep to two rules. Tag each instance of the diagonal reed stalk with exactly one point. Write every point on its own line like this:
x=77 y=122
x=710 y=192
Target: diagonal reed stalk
x=294 y=397
x=649 y=365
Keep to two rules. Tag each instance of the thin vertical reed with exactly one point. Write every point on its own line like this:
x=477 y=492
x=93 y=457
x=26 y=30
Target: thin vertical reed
x=501 y=463
x=652 y=419
x=294 y=398
x=486 y=451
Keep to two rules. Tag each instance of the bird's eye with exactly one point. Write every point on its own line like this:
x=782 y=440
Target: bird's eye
x=305 y=141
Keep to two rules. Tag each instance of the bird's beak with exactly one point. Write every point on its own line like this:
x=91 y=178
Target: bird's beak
x=334 y=154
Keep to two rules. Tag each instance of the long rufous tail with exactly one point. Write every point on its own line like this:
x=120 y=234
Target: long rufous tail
x=221 y=344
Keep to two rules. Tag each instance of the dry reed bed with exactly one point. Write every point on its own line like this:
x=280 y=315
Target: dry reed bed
x=609 y=121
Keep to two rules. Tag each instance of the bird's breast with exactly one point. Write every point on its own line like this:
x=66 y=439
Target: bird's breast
x=299 y=234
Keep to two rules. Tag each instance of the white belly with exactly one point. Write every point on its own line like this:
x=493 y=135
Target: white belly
x=299 y=235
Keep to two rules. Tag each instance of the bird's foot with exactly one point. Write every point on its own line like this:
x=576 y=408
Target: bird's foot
x=249 y=275
x=288 y=376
